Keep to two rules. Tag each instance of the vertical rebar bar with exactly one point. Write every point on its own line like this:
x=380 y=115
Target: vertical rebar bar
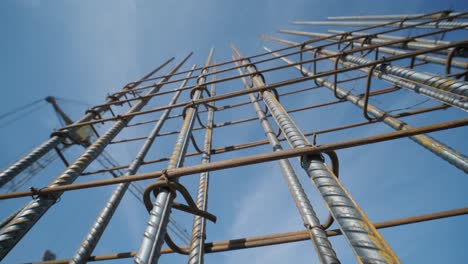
x=319 y=239
x=196 y=254
x=405 y=78
x=18 y=166
x=33 y=211
x=366 y=242
x=96 y=231
x=153 y=237
x=438 y=148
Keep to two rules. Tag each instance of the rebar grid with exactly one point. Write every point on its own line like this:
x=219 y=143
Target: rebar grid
x=354 y=52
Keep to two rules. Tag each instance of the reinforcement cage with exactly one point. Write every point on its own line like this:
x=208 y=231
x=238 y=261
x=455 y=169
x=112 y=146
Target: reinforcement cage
x=418 y=59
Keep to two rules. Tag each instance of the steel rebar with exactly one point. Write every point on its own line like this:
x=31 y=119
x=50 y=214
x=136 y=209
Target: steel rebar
x=196 y=253
x=280 y=238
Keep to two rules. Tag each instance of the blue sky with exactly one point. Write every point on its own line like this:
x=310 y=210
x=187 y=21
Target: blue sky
x=83 y=50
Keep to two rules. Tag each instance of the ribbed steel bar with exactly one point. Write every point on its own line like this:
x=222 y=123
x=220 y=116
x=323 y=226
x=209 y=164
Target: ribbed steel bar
x=17 y=167
x=247 y=160
x=20 y=165
x=33 y=211
x=382 y=23
x=96 y=231
x=275 y=239
x=366 y=242
x=427 y=58
x=445 y=90
x=401 y=16
x=323 y=247
x=196 y=253
x=155 y=232
x=443 y=151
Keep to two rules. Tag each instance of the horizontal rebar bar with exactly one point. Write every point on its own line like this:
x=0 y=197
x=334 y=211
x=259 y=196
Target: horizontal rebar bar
x=248 y=160
x=276 y=239
x=226 y=107
x=231 y=148
x=239 y=121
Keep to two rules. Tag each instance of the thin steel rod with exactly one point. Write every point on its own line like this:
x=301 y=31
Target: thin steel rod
x=325 y=45
x=281 y=238
x=432 y=25
x=96 y=231
x=239 y=121
x=427 y=58
x=277 y=84
x=196 y=253
x=443 y=151
x=226 y=107
x=252 y=144
x=276 y=239
x=247 y=160
x=445 y=90
x=366 y=242
x=35 y=209
x=322 y=245
x=155 y=231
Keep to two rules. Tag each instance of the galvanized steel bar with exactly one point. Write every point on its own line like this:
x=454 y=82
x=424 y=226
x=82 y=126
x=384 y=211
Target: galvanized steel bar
x=96 y=231
x=319 y=239
x=427 y=58
x=443 y=151
x=155 y=232
x=452 y=92
x=385 y=23
x=196 y=253
x=366 y=242
x=17 y=167
x=33 y=211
